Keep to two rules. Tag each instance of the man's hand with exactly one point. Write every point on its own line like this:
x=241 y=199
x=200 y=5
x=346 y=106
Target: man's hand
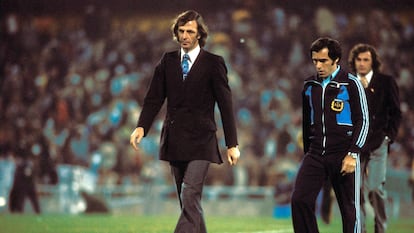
x=348 y=165
x=233 y=155
x=136 y=137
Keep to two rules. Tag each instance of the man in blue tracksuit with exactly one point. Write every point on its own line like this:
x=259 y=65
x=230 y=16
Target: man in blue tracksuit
x=335 y=127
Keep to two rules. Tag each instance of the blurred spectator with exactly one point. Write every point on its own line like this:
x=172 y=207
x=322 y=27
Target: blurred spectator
x=77 y=77
x=24 y=184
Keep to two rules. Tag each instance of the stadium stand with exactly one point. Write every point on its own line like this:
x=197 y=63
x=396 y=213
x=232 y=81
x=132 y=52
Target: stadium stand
x=74 y=75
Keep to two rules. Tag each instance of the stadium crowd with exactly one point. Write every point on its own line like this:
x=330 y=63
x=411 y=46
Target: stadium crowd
x=72 y=85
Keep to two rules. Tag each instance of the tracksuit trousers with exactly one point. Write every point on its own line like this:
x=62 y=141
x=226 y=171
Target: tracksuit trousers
x=313 y=172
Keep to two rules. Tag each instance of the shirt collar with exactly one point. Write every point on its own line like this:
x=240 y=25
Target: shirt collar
x=368 y=76
x=192 y=54
x=332 y=76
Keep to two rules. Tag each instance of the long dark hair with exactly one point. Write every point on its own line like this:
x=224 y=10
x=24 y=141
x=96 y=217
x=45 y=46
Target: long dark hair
x=361 y=48
x=190 y=15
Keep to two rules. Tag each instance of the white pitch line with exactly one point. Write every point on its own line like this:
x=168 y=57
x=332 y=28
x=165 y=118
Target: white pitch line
x=275 y=231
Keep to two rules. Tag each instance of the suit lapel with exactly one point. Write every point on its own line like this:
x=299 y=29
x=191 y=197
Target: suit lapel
x=373 y=84
x=196 y=65
x=177 y=63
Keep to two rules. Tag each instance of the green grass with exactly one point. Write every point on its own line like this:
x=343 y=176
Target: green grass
x=160 y=224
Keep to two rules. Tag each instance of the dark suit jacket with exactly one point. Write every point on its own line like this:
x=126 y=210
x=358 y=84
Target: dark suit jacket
x=384 y=109
x=189 y=129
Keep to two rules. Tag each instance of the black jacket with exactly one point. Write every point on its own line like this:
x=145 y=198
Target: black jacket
x=189 y=130
x=335 y=119
x=384 y=110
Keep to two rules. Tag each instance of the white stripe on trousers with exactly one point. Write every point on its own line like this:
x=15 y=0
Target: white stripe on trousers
x=357 y=228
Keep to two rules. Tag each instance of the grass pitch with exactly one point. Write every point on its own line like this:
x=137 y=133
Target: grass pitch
x=161 y=224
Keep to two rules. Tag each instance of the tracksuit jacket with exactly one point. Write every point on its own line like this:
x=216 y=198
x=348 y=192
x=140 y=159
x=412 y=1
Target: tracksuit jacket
x=335 y=118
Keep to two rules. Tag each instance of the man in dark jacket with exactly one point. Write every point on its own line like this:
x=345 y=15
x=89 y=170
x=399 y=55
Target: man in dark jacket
x=385 y=117
x=335 y=127
x=192 y=81
x=24 y=184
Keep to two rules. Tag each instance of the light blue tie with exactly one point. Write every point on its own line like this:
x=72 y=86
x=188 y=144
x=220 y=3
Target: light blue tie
x=185 y=66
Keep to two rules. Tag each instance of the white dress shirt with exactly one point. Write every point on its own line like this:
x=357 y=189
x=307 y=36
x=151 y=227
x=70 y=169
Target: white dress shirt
x=192 y=54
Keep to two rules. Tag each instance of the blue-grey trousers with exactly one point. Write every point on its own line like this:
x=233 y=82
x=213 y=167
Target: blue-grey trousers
x=373 y=181
x=189 y=179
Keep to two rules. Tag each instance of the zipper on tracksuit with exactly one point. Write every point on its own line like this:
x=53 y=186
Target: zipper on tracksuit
x=323 y=120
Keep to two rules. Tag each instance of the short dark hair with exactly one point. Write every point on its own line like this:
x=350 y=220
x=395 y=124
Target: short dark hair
x=361 y=48
x=190 y=15
x=332 y=45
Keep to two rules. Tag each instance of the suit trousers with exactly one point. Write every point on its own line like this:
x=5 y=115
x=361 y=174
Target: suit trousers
x=313 y=172
x=189 y=179
x=373 y=182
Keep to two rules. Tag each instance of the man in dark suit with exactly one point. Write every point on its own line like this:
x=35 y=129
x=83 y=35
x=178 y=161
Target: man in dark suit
x=188 y=137
x=385 y=117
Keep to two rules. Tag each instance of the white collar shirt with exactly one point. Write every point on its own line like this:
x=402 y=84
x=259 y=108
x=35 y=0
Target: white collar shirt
x=368 y=76
x=193 y=54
